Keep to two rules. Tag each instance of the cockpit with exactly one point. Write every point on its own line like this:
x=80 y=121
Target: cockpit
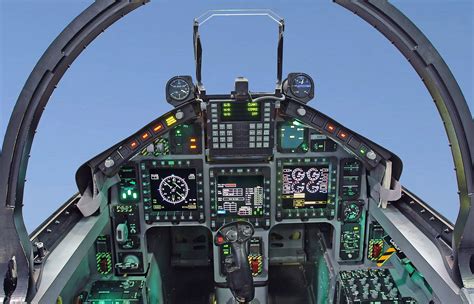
x=242 y=197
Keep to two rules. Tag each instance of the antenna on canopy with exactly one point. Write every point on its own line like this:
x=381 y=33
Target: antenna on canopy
x=199 y=21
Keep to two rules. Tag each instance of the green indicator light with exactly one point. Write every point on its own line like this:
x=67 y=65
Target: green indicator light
x=135 y=196
x=363 y=150
x=171 y=163
x=129 y=192
x=124 y=195
x=297 y=123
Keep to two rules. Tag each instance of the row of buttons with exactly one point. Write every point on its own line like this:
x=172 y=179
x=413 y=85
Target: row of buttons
x=257 y=223
x=184 y=216
x=221 y=126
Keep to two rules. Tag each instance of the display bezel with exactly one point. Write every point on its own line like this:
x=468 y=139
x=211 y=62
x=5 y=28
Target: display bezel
x=329 y=211
x=172 y=215
x=258 y=221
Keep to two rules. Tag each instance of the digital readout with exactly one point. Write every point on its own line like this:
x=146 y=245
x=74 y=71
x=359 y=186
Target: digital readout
x=240 y=196
x=240 y=111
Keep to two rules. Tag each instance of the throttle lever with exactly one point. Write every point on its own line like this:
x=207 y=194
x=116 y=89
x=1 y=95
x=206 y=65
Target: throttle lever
x=238 y=273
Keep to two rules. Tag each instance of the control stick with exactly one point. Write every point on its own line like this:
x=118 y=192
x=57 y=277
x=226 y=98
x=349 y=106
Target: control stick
x=238 y=274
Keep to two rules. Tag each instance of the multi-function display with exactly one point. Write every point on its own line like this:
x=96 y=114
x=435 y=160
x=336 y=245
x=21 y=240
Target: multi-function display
x=305 y=186
x=173 y=189
x=241 y=196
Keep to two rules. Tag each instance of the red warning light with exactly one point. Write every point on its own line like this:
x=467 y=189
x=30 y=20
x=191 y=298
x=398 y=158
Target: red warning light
x=220 y=240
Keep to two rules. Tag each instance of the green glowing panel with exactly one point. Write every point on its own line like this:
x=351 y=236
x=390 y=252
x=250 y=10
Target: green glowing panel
x=128 y=187
x=240 y=111
x=116 y=292
x=292 y=137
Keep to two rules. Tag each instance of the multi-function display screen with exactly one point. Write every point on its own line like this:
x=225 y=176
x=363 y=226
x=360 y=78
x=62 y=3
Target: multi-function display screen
x=240 y=196
x=305 y=187
x=240 y=111
x=173 y=189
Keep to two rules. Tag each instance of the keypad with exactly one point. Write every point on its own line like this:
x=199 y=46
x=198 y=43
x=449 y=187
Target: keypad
x=254 y=135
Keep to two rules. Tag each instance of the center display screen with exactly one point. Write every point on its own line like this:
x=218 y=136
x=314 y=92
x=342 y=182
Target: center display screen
x=173 y=189
x=305 y=187
x=240 y=111
x=240 y=196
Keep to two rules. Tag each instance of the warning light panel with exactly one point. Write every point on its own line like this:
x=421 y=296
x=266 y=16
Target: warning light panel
x=171 y=120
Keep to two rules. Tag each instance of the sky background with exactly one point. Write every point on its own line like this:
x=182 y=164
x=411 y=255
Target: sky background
x=116 y=85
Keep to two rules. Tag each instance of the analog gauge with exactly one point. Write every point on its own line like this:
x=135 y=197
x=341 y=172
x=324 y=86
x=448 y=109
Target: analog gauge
x=173 y=189
x=298 y=174
x=312 y=187
x=313 y=174
x=298 y=188
x=179 y=89
x=301 y=86
x=351 y=212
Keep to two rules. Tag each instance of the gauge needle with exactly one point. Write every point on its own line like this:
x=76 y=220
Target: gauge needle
x=166 y=183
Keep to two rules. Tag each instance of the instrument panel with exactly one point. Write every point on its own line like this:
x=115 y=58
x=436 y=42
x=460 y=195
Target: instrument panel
x=282 y=170
x=239 y=160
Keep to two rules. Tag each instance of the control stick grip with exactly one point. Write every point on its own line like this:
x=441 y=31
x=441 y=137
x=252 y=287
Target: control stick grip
x=239 y=276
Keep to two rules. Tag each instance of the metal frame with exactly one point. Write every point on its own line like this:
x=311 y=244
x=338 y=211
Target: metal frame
x=34 y=96
x=452 y=107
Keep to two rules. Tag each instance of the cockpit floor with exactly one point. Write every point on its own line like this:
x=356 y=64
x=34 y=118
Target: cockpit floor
x=288 y=284
x=191 y=285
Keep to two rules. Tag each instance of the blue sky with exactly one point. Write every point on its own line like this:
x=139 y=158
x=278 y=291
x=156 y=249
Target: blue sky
x=117 y=85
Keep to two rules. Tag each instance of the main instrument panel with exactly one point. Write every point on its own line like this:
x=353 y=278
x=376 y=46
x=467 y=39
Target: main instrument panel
x=241 y=159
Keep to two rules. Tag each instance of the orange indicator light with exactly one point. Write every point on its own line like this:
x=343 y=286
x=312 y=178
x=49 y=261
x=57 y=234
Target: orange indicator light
x=134 y=144
x=145 y=135
x=157 y=128
x=193 y=147
x=330 y=127
x=342 y=135
x=192 y=139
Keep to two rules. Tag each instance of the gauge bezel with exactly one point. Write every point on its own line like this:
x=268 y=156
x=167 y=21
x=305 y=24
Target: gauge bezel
x=292 y=86
x=288 y=87
x=178 y=101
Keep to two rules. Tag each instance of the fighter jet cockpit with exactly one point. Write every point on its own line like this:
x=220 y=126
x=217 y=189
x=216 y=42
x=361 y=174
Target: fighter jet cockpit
x=241 y=196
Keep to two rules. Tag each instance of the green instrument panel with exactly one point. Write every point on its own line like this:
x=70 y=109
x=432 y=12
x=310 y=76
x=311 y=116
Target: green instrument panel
x=292 y=137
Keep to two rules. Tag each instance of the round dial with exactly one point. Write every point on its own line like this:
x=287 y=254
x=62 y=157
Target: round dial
x=313 y=174
x=301 y=86
x=298 y=174
x=173 y=189
x=351 y=212
x=179 y=89
x=312 y=187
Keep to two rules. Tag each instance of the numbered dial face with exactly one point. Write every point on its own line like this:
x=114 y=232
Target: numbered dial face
x=173 y=189
x=298 y=174
x=301 y=86
x=179 y=89
x=351 y=212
